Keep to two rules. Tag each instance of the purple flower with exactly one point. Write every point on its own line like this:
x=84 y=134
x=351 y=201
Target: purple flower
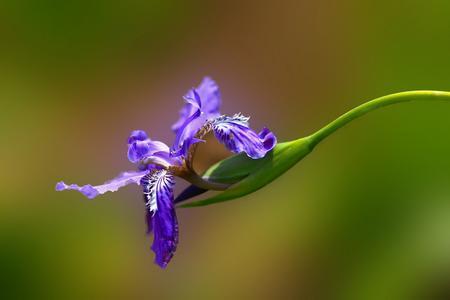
x=157 y=164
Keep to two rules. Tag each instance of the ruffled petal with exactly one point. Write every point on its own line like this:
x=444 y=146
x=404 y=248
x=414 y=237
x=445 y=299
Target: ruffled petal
x=140 y=146
x=202 y=104
x=140 y=149
x=235 y=134
x=137 y=150
x=158 y=193
x=186 y=132
x=269 y=139
x=209 y=94
x=110 y=186
x=137 y=135
x=210 y=102
x=188 y=110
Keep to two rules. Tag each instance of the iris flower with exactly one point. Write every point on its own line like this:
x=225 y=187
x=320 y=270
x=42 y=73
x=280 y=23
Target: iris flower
x=157 y=164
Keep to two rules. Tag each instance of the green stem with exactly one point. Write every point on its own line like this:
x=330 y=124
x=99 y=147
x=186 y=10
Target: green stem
x=192 y=177
x=362 y=109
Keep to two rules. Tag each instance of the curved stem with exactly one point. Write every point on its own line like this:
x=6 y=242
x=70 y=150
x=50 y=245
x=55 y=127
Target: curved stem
x=205 y=184
x=369 y=106
x=198 y=181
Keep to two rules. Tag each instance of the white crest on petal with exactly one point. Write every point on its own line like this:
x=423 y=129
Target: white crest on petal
x=152 y=183
x=236 y=118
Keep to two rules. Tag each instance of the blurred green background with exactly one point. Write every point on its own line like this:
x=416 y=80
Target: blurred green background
x=365 y=216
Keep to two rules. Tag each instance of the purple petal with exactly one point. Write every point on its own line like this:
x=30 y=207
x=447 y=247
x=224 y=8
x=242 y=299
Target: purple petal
x=137 y=150
x=149 y=221
x=268 y=138
x=137 y=135
x=202 y=104
x=236 y=135
x=191 y=106
x=140 y=146
x=209 y=94
x=110 y=186
x=193 y=98
x=209 y=98
x=186 y=134
x=158 y=192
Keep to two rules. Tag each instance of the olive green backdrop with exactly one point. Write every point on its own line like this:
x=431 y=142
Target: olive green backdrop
x=365 y=216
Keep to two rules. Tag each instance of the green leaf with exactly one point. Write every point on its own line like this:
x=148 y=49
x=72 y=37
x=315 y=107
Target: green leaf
x=249 y=175
x=253 y=174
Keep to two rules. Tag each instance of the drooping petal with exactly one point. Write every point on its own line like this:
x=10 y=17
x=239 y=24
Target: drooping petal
x=210 y=102
x=158 y=193
x=235 y=133
x=113 y=185
x=149 y=221
x=269 y=139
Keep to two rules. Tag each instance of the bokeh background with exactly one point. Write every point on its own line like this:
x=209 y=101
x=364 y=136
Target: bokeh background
x=365 y=216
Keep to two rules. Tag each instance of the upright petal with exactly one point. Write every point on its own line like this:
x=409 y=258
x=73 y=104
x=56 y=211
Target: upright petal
x=235 y=134
x=210 y=102
x=110 y=186
x=188 y=110
x=158 y=193
x=209 y=94
x=186 y=132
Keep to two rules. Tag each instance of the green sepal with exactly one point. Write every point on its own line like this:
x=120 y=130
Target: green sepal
x=250 y=175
